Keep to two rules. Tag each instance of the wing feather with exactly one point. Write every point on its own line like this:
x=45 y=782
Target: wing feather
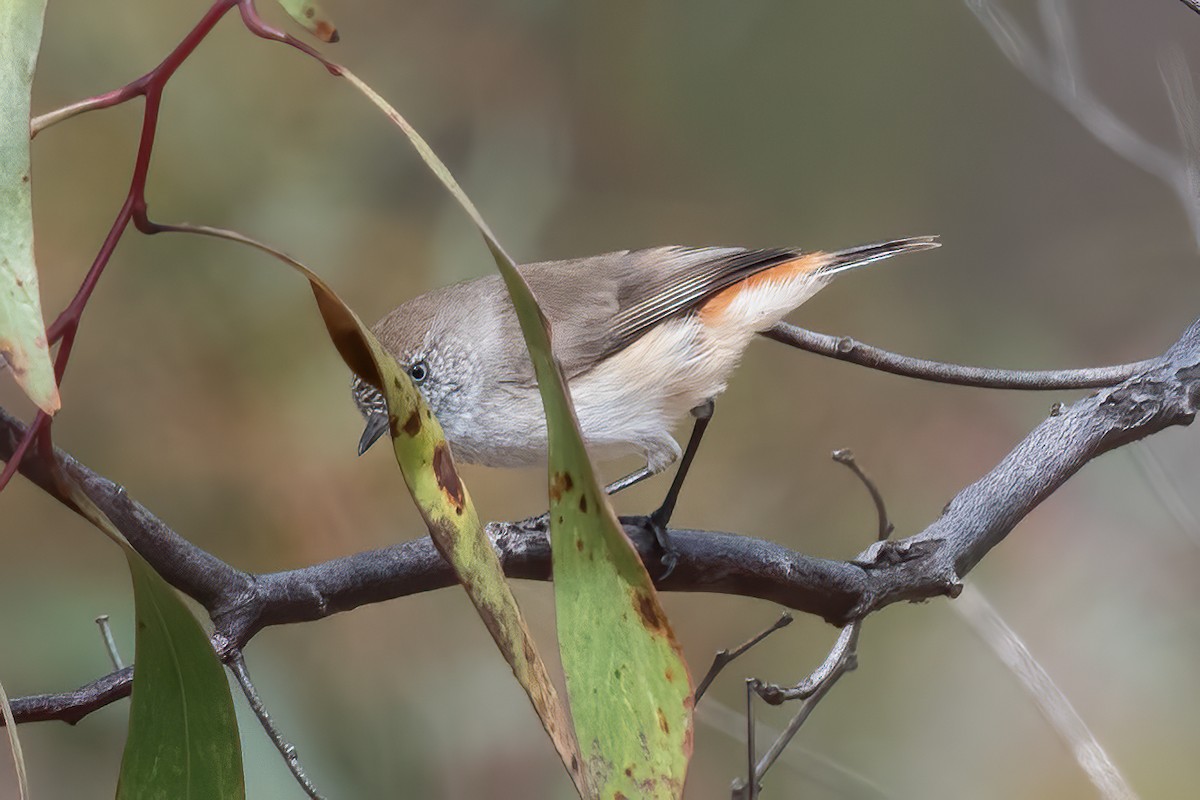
x=599 y=305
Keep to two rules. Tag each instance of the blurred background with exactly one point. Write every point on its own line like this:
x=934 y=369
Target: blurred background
x=203 y=381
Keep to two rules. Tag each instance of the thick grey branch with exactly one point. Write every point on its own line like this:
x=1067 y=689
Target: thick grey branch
x=925 y=565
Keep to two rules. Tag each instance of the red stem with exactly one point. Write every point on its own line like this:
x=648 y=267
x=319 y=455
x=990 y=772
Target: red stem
x=151 y=87
x=259 y=27
x=66 y=325
x=134 y=209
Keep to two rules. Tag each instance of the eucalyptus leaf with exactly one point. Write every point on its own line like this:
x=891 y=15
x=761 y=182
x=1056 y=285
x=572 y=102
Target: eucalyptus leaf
x=628 y=684
x=183 y=741
x=425 y=460
x=440 y=495
x=23 y=345
x=309 y=14
x=183 y=736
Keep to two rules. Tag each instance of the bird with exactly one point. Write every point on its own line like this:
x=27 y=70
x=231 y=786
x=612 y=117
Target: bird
x=643 y=338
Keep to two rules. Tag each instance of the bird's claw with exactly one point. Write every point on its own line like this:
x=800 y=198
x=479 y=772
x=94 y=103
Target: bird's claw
x=668 y=555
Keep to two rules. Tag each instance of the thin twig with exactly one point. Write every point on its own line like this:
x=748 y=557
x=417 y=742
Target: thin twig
x=842 y=659
x=100 y=101
x=987 y=623
x=724 y=657
x=1185 y=110
x=237 y=664
x=72 y=706
x=843 y=348
x=841 y=654
x=110 y=643
x=1059 y=76
x=833 y=778
x=886 y=527
x=1064 y=50
x=752 y=779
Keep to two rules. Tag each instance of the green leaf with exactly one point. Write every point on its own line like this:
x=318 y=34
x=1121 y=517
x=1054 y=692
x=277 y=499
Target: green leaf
x=428 y=467
x=23 y=345
x=442 y=498
x=629 y=686
x=183 y=741
x=183 y=736
x=309 y=14
x=425 y=461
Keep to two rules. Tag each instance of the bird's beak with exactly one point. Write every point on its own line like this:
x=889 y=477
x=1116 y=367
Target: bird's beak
x=376 y=425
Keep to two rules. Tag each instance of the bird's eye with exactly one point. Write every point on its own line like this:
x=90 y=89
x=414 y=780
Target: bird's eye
x=419 y=372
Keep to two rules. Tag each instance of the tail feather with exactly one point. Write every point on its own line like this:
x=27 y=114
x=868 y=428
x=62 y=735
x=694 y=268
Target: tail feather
x=854 y=257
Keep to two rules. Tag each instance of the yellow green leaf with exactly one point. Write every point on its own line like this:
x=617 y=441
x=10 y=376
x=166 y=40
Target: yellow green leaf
x=442 y=498
x=629 y=687
x=23 y=345
x=309 y=14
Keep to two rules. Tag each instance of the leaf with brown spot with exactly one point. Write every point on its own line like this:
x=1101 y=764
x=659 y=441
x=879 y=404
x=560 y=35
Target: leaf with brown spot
x=598 y=588
x=447 y=475
x=309 y=14
x=560 y=484
x=412 y=426
x=428 y=467
x=24 y=350
x=443 y=500
x=427 y=464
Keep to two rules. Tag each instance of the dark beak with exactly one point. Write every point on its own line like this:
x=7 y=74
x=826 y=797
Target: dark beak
x=376 y=425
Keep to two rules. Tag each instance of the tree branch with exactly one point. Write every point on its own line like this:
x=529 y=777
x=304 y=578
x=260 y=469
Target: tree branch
x=70 y=707
x=925 y=565
x=844 y=348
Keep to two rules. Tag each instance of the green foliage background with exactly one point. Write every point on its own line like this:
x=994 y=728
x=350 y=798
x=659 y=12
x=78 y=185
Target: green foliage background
x=203 y=381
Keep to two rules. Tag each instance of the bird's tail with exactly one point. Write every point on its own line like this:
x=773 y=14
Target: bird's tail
x=854 y=257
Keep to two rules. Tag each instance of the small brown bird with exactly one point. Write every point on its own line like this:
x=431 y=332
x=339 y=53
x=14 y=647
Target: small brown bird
x=643 y=337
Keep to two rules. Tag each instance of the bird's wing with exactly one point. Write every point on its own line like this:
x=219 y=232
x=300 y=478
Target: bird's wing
x=599 y=305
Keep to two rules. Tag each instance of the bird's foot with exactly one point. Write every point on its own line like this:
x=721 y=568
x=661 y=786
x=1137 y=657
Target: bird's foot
x=668 y=556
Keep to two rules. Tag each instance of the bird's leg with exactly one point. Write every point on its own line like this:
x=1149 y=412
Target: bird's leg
x=662 y=515
x=703 y=413
x=629 y=480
